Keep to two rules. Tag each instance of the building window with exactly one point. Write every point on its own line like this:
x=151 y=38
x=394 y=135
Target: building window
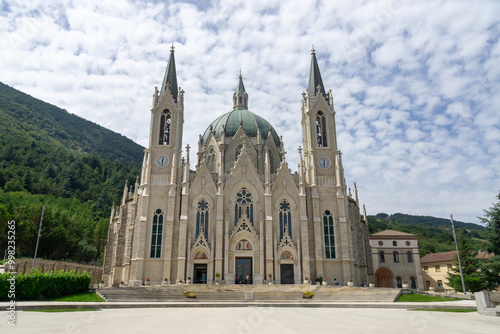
x=427 y=284
x=202 y=219
x=409 y=255
x=211 y=160
x=243 y=204
x=394 y=243
x=438 y=268
x=329 y=235
x=381 y=256
x=450 y=267
x=426 y=269
x=321 y=129
x=399 y=282
x=165 y=127
x=440 y=283
x=238 y=151
x=285 y=219
x=396 y=257
x=413 y=283
x=156 y=233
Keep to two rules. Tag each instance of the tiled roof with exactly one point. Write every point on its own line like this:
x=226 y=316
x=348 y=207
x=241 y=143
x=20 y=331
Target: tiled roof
x=449 y=256
x=439 y=257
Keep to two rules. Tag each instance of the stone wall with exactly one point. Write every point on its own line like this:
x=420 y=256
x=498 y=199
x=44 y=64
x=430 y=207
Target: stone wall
x=23 y=266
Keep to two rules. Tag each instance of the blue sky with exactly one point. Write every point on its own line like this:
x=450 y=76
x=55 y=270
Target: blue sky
x=415 y=84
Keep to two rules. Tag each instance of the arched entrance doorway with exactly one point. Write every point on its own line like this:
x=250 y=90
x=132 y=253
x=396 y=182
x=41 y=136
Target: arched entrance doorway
x=384 y=278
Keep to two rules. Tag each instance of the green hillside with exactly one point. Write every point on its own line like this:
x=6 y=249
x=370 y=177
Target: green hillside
x=25 y=118
x=74 y=167
x=434 y=234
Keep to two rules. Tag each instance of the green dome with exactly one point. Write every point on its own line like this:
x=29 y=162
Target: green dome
x=232 y=120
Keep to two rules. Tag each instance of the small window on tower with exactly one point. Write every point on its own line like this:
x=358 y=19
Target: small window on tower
x=165 y=127
x=321 y=129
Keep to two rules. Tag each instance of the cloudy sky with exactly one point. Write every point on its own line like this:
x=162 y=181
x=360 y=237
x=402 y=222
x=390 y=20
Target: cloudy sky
x=415 y=83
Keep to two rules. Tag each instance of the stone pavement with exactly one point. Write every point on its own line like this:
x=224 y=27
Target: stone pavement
x=252 y=319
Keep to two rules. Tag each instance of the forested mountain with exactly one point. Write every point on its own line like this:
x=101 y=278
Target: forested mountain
x=72 y=166
x=434 y=234
x=27 y=119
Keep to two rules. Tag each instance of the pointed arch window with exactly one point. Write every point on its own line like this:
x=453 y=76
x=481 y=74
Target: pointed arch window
x=202 y=219
x=237 y=152
x=156 y=233
x=329 y=235
x=211 y=160
x=410 y=256
x=165 y=127
x=321 y=129
x=285 y=219
x=243 y=204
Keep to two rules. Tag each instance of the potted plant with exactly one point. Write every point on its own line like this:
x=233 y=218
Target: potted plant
x=217 y=279
x=372 y=285
x=324 y=282
x=270 y=279
x=306 y=280
x=431 y=288
x=165 y=281
x=122 y=284
x=350 y=283
x=147 y=281
x=188 y=281
x=101 y=284
x=180 y=282
x=405 y=284
x=307 y=294
x=189 y=294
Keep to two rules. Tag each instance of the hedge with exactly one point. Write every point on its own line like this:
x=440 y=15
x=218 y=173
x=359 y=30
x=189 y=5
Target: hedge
x=38 y=285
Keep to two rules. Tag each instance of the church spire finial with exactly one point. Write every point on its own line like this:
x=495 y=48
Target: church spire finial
x=240 y=96
x=315 y=81
x=170 y=78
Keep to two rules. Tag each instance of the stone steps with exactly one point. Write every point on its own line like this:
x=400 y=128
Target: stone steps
x=248 y=293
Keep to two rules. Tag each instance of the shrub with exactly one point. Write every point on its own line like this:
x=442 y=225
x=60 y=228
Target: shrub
x=38 y=285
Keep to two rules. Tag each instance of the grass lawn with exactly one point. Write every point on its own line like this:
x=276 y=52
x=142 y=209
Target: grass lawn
x=64 y=310
x=81 y=297
x=443 y=310
x=414 y=297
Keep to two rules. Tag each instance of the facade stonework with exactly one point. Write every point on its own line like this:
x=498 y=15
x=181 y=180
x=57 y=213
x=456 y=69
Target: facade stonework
x=241 y=216
x=396 y=259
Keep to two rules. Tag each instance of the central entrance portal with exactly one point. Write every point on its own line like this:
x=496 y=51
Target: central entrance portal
x=286 y=273
x=243 y=270
x=200 y=273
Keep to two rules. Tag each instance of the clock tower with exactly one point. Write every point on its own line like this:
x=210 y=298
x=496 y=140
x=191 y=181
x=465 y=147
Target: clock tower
x=159 y=189
x=324 y=176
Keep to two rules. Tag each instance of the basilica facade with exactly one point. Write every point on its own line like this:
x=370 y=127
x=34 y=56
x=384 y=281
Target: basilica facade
x=238 y=214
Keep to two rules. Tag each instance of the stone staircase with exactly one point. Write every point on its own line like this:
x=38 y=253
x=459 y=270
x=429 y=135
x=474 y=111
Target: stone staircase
x=248 y=293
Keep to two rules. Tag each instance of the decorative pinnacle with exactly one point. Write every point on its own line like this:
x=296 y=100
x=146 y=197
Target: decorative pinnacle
x=172 y=48
x=313 y=51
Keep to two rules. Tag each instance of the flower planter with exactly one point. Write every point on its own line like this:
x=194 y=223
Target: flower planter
x=350 y=283
x=372 y=285
x=324 y=283
x=306 y=281
x=101 y=285
x=405 y=286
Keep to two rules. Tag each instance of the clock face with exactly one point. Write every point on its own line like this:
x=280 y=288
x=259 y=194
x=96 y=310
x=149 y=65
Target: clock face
x=162 y=161
x=324 y=163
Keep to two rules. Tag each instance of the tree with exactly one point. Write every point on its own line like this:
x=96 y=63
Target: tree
x=492 y=221
x=472 y=268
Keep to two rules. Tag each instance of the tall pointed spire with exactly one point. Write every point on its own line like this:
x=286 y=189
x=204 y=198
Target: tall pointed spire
x=240 y=87
x=240 y=96
x=315 y=81
x=170 y=77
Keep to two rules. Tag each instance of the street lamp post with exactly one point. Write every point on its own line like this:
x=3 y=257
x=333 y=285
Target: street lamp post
x=458 y=255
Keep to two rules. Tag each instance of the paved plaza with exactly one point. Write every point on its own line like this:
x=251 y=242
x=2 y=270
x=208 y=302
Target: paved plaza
x=246 y=320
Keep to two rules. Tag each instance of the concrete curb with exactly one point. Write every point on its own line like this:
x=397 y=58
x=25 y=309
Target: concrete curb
x=25 y=306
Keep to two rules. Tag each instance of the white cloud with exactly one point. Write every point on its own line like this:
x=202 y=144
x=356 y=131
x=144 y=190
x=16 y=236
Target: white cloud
x=415 y=84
